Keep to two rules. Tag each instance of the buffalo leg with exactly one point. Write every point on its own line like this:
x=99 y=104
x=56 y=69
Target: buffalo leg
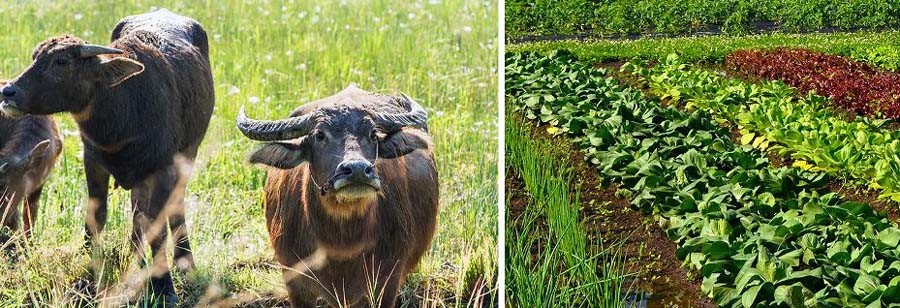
x=388 y=284
x=98 y=189
x=389 y=295
x=298 y=295
x=9 y=217
x=150 y=201
x=184 y=258
x=31 y=208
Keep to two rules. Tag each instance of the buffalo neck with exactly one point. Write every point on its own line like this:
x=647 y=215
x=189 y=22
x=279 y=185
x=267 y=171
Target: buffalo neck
x=339 y=232
x=103 y=125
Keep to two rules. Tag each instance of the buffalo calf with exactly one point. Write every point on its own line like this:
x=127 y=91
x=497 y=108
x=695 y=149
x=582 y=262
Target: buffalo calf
x=142 y=104
x=29 y=147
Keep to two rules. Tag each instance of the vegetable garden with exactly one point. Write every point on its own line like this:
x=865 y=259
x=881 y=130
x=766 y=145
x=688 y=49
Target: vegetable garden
x=772 y=163
x=631 y=17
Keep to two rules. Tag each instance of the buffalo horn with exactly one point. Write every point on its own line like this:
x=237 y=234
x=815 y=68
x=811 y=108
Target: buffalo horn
x=286 y=129
x=414 y=117
x=88 y=50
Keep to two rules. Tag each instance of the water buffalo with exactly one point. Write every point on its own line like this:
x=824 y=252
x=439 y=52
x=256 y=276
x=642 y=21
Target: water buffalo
x=350 y=224
x=29 y=146
x=142 y=104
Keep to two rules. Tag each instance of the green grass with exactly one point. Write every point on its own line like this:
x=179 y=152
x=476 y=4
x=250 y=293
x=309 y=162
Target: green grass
x=867 y=46
x=272 y=57
x=567 y=270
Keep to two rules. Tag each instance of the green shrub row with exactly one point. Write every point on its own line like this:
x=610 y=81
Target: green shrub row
x=759 y=236
x=568 y=17
x=879 y=49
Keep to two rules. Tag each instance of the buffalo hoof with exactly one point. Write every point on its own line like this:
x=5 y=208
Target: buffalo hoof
x=185 y=263
x=8 y=247
x=167 y=300
x=164 y=291
x=81 y=294
x=6 y=242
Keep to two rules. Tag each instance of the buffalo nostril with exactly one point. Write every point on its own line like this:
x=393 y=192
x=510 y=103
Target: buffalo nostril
x=356 y=169
x=344 y=169
x=9 y=91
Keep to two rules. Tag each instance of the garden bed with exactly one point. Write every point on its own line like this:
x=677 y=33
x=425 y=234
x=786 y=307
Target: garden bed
x=608 y=216
x=759 y=235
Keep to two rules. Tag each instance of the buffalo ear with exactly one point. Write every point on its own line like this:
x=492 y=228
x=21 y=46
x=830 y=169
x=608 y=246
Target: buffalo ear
x=281 y=155
x=32 y=158
x=38 y=153
x=403 y=142
x=116 y=70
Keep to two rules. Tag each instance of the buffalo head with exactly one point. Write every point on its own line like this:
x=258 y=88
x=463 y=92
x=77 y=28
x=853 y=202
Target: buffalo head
x=15 y=168
x=64 y=77
x=341 y=143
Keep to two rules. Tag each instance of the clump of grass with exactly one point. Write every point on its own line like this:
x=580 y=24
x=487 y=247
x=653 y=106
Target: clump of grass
x=566 y=270
x=272 y=56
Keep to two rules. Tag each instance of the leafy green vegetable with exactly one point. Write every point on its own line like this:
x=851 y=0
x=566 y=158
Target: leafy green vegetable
x=803 y=128
x=713 y=49
x=760 y=236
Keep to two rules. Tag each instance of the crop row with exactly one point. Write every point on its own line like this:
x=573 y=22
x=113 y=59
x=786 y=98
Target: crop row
x=681 y=17
x=773 y=117
x=559 y=267
x=759 y=235
x=883 y=57
x=878 y=49
x=854 y=86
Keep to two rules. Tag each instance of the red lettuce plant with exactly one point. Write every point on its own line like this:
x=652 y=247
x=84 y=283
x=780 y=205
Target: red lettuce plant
x=853 y=86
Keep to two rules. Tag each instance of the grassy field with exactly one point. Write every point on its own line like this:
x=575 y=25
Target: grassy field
x=272 y=56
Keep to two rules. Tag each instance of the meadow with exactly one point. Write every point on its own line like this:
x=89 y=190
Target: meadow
x=272 y=56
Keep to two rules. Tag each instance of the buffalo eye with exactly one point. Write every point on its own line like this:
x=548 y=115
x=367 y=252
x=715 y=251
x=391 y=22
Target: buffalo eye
x=62 y=61
x=373 y=135
x=320 y=136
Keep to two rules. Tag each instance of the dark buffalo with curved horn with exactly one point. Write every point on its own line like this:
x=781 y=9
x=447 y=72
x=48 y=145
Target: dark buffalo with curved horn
x=351 y=203
x=29 y=146
x=142 y=105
